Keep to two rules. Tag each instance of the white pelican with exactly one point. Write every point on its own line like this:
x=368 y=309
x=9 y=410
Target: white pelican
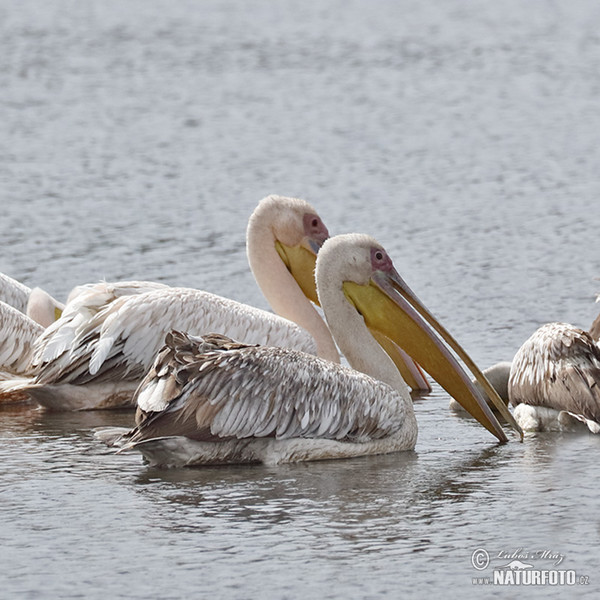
x=211 y=400
x=96 y=359
x=24 y=312
x=555 y=380
x=35 y=303
x=289 y=300
x=21 y=333
x=17 y=335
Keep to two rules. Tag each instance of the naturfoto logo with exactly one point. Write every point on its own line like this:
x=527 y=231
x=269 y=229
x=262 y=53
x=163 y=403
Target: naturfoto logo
x=524 y=568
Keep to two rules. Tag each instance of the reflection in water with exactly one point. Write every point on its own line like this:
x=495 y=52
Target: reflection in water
x=372 y=504
x=457 y=492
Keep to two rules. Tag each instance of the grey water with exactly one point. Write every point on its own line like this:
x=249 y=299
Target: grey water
x=136 y=137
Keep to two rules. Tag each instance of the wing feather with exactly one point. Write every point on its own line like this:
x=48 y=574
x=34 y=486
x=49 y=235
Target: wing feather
x=558 y=367
x=122 y=338
x=18 y=334
x=255 y=391
x=14 y=293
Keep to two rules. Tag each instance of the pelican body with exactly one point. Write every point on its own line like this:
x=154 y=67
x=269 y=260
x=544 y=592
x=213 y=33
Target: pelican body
x=24 y=313
x=108 y=370
x=554 y=380
x=18 y=334
x=35 y=303
x=224 y=416
x=211 y=400
x=95 y=356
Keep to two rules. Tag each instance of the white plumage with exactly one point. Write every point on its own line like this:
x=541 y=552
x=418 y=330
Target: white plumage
x=85 y=307
x=122 y=339
x=35 y=303
x=23 y=315
x=14 y=293
x=18 y=334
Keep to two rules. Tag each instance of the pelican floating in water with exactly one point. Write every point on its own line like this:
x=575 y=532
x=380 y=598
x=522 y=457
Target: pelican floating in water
x=35 y=303
x=18 y=333
x=497 y=375
x=554 y=380
x=24 y=312
x=211 y=400
x=91 y=360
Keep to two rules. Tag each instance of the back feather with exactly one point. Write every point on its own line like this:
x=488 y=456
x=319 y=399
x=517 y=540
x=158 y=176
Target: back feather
x=214 y=389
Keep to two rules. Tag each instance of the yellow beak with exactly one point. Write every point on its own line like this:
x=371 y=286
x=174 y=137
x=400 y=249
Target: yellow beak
x=411 y=372
x=390 y=309
x=300 y=261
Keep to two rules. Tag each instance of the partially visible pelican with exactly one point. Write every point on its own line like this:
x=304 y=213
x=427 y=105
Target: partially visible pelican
x=24 y=313
x=96 y=359
x=595 y=328
x=35 y=303
x=555 y=380
x=17 y=335
x=14 y=293
x=211 y=400
x=20 y=333
x=497 y=375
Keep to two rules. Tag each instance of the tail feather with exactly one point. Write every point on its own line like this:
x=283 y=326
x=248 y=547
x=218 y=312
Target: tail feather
x=114 y=437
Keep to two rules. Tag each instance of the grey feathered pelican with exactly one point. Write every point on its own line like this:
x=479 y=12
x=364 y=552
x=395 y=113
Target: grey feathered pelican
x=554 y=380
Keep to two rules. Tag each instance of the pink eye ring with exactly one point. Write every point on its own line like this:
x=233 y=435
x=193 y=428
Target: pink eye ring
x=380 y=260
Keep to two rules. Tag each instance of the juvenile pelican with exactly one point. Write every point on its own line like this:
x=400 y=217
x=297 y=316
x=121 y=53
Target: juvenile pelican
x=555 y=380
x=96 y=358
x=210 y=400
x=35 y=303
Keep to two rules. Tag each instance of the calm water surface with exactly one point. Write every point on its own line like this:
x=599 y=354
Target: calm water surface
x=135 y=139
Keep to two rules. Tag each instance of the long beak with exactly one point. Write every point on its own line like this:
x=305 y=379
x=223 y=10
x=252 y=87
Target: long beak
x=391 y=309
x=300 y=261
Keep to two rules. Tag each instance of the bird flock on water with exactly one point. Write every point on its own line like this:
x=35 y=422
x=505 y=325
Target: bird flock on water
x=214 y=381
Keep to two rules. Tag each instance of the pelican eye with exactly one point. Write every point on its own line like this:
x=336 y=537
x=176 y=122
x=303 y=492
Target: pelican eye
x=379 y=256
x=315 y=222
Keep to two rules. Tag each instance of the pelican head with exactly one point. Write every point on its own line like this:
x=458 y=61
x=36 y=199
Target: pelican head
x=43 y=308
x=357 y=268
x=297 y=232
